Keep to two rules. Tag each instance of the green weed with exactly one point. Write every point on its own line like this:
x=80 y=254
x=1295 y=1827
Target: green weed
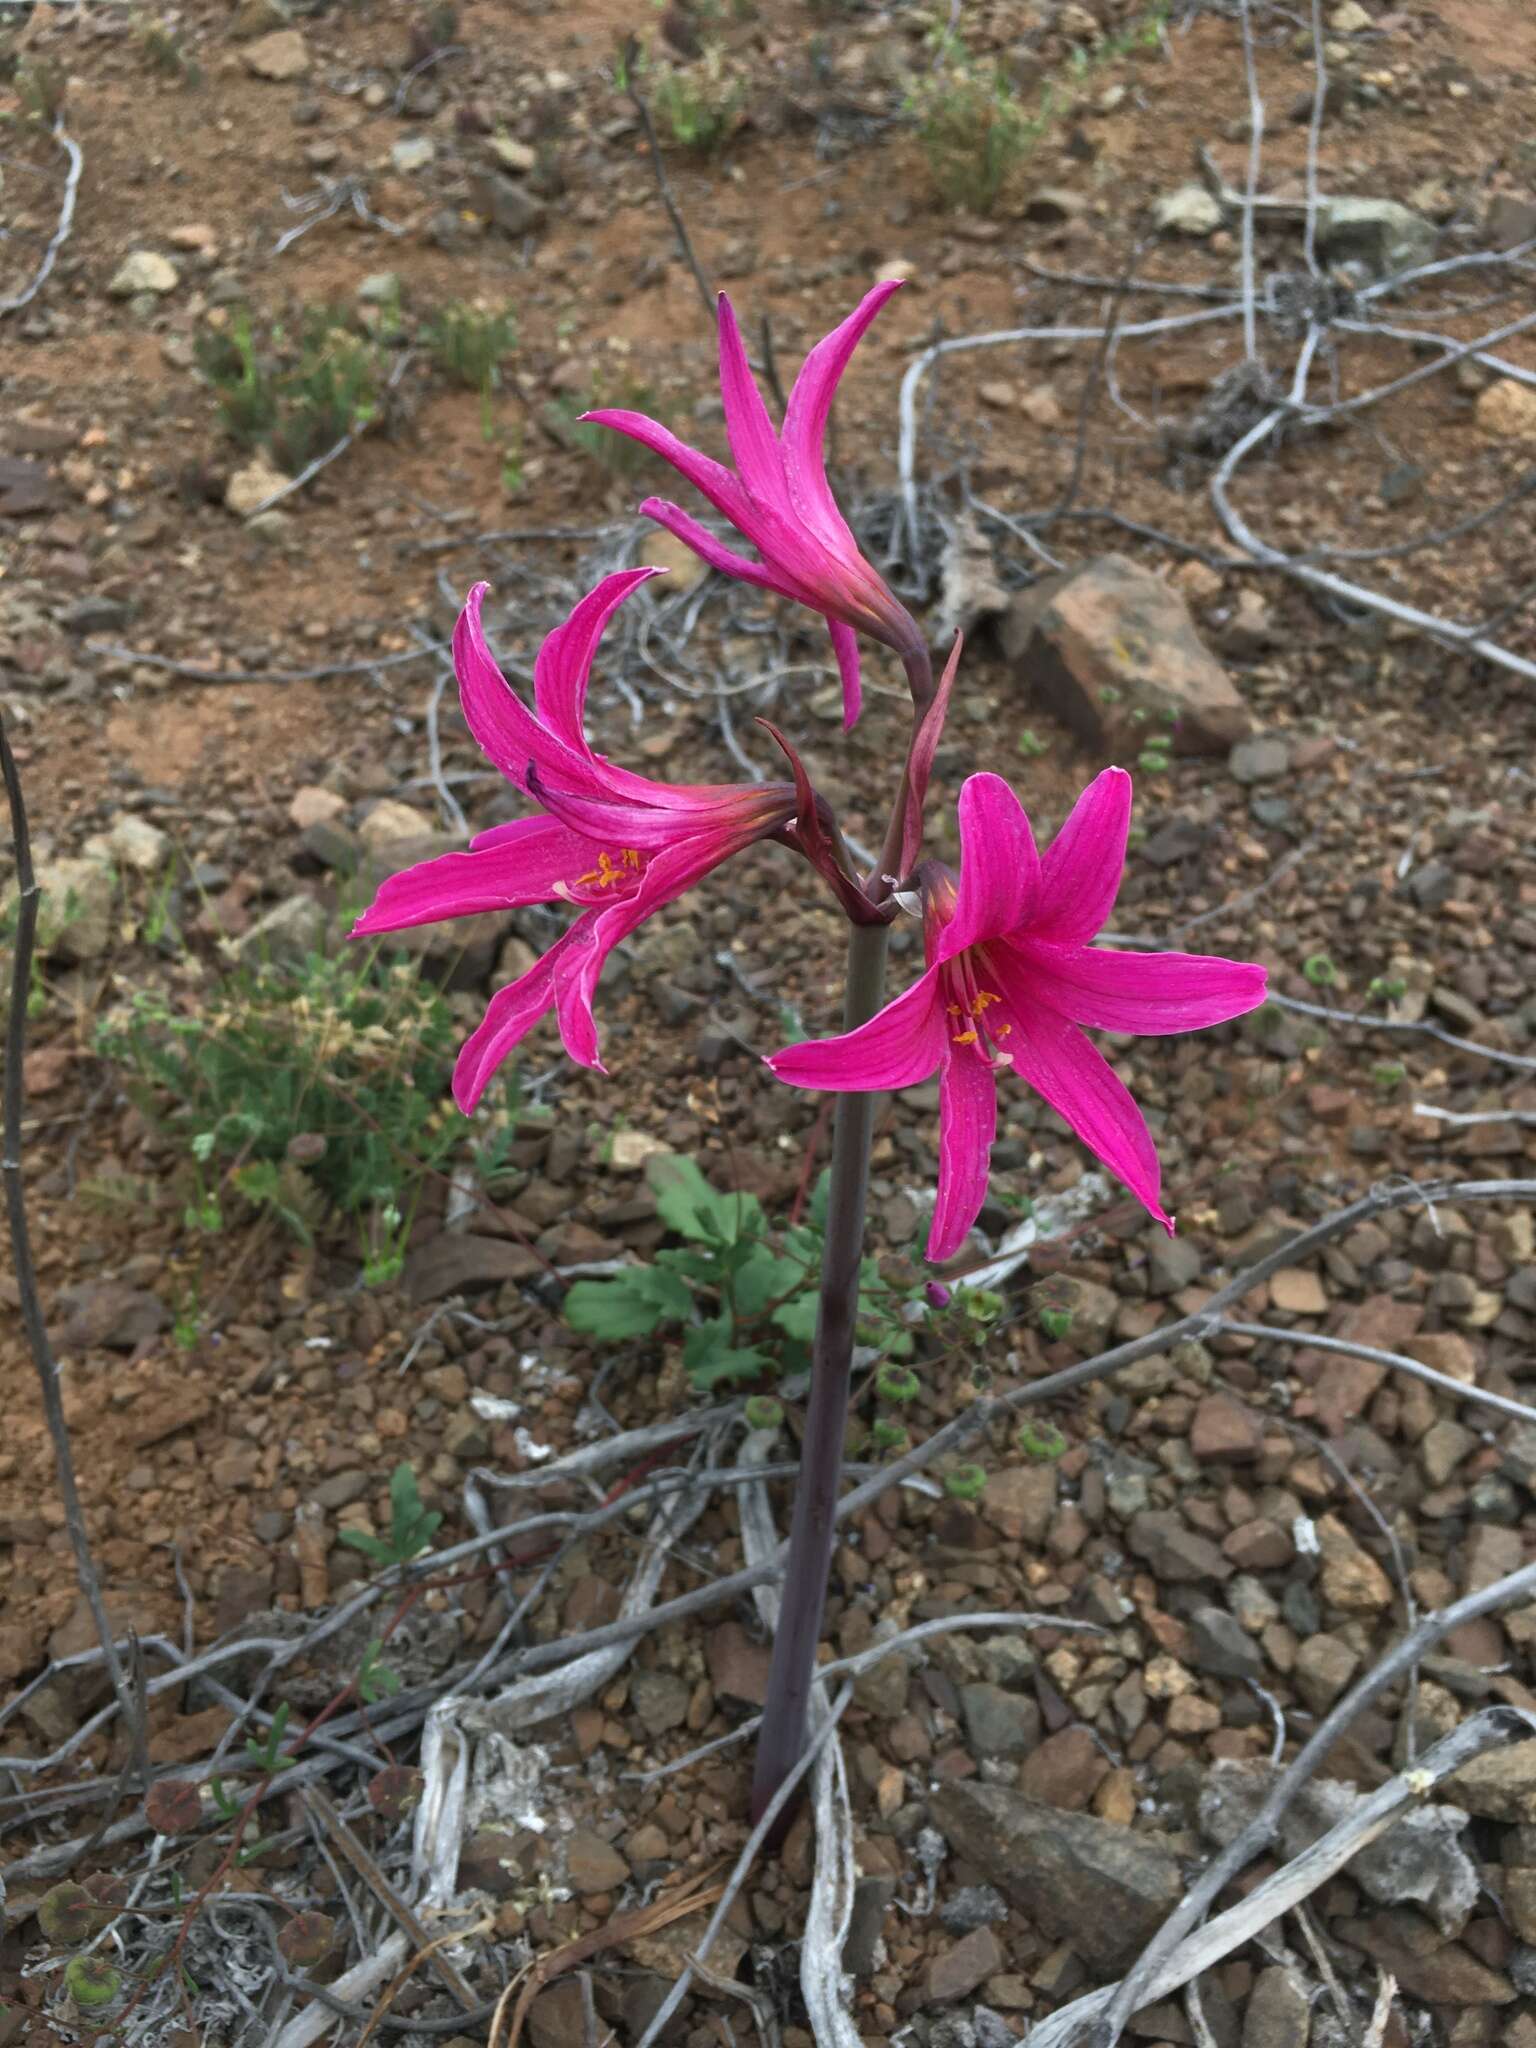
x=296 y=393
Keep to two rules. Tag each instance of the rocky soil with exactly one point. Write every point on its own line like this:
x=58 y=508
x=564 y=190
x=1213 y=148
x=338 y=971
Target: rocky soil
x=226 y=717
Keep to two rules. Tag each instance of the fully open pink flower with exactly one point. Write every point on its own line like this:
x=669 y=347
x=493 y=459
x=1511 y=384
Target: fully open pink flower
x=614 y=844
x=1011 y=980
x=779 y=499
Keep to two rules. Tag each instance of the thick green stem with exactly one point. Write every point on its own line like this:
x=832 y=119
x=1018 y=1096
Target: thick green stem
x=812 y=1531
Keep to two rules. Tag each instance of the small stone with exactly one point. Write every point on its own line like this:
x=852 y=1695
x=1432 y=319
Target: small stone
x=863 y=1947
x=1381 y=234
x=592 y=1864
x=108 y=1315
x=251 y=486
x=1351 y=1580
x=1324 y=1667
x=1188 y=210
x=628 y=1150
x=513 y=155
x=1172 y=1264
x=978 y=1905
x=959 y=1970
x=1349 y=18
x=1298 y=1291
x=312 y=805
x=74 y=916
x=412 y=153
x=738 y=1667
x=281 y=56
x=392 y=824
x=144 y=270
x=1065 y=1771
x=1506 y=411
x=1441 y=1449
x=999 y=1723
x=1222 y=1647
x=379 y=288
x=1278 y=2014
x=1019 y=1502
x=1259 y=760
x=132 y=842
x=1225 y=1432
x=660 y=1700
x=1174 y=1550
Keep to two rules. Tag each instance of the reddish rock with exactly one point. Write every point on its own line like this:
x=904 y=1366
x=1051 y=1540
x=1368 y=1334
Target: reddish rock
x=959 y=1970
x=1224 y=1431
x=1111 y=650
x=1065 y=1771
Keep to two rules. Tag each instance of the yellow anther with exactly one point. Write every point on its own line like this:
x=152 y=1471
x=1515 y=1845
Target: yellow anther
x=984 y=1000
x=609 y=870
x=1001 y=1030
x=965 y=1038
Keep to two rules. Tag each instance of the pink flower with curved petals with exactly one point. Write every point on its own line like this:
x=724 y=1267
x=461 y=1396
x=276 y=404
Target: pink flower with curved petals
x=1011 y=981
x=615 y=845
x=778 y=497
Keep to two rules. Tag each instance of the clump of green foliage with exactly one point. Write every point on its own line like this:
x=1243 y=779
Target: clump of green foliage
x=977 y=132
x=468 y=344
x=743 y=1293
x=614 y=452
x=164 y=48
x=297 y=391
x=974 y=129
x=317 y=1092
x=698 y=105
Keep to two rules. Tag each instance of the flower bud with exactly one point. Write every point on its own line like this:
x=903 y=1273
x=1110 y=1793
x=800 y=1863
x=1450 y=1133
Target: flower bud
x=91 y=1982
x=306 y=1939
x=173 y=1807
x=68 y=1915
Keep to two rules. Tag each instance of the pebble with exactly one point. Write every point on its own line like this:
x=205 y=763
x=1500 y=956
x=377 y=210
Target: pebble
x=281 y=56
x=144 y=270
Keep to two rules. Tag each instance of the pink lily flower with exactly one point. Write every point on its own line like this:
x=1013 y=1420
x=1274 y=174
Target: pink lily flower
x=1011 y=981
x=614 y=844
x=779 y=499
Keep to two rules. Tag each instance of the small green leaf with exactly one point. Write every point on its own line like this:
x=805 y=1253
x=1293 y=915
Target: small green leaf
x=763 y=1412
x=966 y=1482
x=797 y=1317
x=1055 y=1322
x=631 y=1304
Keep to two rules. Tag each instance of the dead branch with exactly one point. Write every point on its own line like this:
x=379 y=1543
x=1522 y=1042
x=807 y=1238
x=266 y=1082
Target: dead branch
x=28 y=899
x=60 y=235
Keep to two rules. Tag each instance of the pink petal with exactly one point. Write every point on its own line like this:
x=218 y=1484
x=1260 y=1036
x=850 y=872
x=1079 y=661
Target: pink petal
x=1082 y=866
x=724 y=491
x=524 y=865
x=805 y=421
x=754 y=444
x=710 y=548
x=967 y=1126
x=898 y=1048
x=999 y=867
x=564 y=663
x=845 y=645
x=507 y=733
x=732 y=818
x=1056 y=1060
x=576 y=980
x=925 y=744
x=510 y=1015
x=1150 y=994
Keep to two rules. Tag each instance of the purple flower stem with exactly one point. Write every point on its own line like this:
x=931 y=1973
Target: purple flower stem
x=782 y=1738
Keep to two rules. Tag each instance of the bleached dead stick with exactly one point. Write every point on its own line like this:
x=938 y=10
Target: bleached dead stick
x=60 y=235
x=1092 y=2020
x=1135 y=1990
